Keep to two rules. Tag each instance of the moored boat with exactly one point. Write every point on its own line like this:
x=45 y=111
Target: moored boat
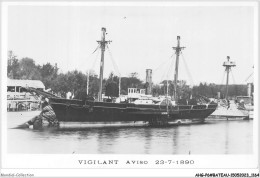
x=230 y=109
x=90 y=113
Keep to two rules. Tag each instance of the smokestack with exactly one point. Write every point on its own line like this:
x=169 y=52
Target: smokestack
x=149 y=81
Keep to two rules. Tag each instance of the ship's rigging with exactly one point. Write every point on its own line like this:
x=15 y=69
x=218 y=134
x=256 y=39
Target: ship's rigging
x=103 y=46
x=168 y=72
x=161 y=114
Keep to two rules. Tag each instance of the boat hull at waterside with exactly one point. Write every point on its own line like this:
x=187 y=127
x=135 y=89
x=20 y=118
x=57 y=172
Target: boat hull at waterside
x=101 y=112
x=229 y=113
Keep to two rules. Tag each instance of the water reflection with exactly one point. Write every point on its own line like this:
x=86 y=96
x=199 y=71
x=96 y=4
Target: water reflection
x=226 y=137
x=106 y=139
x=222 y=137
x=174 y=140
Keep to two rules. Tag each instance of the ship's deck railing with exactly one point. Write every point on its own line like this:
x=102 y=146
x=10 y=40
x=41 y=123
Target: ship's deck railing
x=131 y=105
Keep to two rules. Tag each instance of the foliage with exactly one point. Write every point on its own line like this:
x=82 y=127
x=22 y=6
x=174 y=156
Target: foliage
x=48 y=74
x=76 y=82
x=13 y=66
x=112 y=89
x=131 y=82
x=28 y=69
x=112 y=86
x=81 y=94
x=211 y=90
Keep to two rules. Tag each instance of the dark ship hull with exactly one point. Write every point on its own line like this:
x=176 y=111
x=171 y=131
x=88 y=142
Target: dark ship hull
x=90 y=112
x=72 y=111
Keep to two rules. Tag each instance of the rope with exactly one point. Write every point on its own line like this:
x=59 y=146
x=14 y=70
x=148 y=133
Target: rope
x=170 y=68
x=96 y=49
x=249 y=77
x=167 y=78
x=234 y=82
x=163 y=63
x=94 y=62
x=233 y=76
x=116 y=68
x=113 y=62
x=188 y=71
x=163 y=76
x=90 y=55
x=223 y=77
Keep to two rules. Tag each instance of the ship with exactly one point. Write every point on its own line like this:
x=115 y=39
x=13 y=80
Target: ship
x=229 y=109
x=91 y=113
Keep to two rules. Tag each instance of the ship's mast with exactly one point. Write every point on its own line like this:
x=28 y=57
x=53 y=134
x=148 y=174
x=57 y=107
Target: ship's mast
x=228 y=64
x=177 y=52
x=88 y=83
x=102 y=43
x=167 y=93
x=119 y=86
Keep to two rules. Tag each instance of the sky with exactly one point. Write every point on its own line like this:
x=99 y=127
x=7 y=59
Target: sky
x=142 y=38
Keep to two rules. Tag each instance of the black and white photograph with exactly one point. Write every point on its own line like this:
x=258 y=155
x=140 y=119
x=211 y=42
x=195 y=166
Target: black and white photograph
x=153 y=86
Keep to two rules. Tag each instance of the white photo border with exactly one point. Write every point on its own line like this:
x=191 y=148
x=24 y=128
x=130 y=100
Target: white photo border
x=64 y=165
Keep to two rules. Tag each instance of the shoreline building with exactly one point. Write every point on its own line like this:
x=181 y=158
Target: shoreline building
x=19 y=99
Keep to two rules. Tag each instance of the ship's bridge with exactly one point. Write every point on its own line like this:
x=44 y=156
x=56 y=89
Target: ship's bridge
x=135 y=92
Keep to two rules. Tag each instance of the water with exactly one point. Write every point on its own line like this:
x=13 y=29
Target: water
x=212 y=137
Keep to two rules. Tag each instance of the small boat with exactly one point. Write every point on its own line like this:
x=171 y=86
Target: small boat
x=223 y=112
x=228 y=109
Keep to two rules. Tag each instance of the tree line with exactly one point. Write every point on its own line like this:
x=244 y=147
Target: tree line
x=72 y=81
x=76 y=81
